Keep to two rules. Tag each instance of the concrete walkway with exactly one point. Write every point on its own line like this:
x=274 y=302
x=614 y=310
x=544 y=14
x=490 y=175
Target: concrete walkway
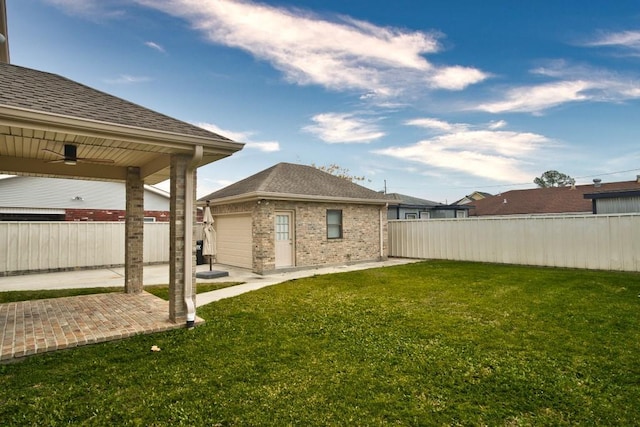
x=31 y=327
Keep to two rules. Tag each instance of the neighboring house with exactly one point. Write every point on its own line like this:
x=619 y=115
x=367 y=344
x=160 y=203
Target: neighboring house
x=470 y=198
x=290 y=216
x=616 y=201
x=30 y=198
x=402 y=206
x=548 y=201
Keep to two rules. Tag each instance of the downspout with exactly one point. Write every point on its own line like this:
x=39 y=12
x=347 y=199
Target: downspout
x=188 y=235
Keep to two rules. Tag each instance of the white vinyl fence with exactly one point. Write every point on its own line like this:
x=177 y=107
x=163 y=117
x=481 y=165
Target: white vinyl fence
x=603 y=242
x=52 y=246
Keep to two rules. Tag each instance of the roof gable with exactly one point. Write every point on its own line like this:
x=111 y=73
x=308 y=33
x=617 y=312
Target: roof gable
x=540 y=201
x=292 y=181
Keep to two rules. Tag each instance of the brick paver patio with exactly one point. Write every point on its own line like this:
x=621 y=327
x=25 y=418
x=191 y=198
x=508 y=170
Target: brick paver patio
x=31 y=327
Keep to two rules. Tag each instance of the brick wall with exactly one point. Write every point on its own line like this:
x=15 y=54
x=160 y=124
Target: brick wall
x=109 y=215
x=360 y=241
x=360 y=234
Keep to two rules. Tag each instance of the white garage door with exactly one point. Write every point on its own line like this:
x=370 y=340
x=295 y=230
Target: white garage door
x=233 y=240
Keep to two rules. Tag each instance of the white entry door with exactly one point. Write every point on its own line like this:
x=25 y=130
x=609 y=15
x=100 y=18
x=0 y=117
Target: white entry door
x=284 y=239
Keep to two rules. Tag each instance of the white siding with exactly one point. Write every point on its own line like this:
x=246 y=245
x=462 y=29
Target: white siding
x=38 y=192
x=618 y=205
x=605 y=242
x=34 y=246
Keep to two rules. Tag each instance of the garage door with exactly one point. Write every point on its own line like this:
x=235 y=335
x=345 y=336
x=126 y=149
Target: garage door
x=233 y=240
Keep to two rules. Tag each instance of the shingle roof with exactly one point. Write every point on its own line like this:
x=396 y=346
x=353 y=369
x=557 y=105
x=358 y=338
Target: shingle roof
x=553 y=200
x=404 y=200
x=50 y=93
x=287 y=180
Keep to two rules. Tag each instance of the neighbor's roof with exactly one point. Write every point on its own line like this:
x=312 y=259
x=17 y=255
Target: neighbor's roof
x=540 y=201
x=409 y=201
x=287 y=181
x=469 y=198
x=41 y=91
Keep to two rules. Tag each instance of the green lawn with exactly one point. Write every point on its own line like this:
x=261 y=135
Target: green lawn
x=433 y=343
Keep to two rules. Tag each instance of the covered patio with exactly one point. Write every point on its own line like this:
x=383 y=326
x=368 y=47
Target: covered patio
x=52 y=126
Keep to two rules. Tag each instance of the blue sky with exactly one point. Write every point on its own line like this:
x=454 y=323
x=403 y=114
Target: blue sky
x=437 y=98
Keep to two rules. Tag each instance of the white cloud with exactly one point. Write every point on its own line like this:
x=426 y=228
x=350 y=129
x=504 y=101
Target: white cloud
x=436 y=124
x=155 y=46
x=265 y=146
x=208 y=185
x=487 y=153
x=625 y=39
x=538 y=98
x=457 y=78
x=245 y=137
x=336 y=128
x=499 y=124
x=92 y=9
x=340 y=54
x=571 y=83
x=125 y=79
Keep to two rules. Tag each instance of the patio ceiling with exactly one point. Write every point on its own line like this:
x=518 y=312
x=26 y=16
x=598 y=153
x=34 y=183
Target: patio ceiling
x=41 y=112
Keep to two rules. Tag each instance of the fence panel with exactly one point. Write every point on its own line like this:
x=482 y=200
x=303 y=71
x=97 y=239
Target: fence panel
x=603 y=242
x=52 y=246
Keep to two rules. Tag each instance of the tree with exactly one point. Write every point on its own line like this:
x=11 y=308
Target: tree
x=340 y=172
x=553 y=178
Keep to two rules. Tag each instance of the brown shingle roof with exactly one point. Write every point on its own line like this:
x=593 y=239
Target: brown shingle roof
x=50 y=93
x=292 y=181
x=553 y=200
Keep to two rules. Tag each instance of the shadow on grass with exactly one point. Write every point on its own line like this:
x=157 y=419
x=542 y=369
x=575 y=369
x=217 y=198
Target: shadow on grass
x=161 y=291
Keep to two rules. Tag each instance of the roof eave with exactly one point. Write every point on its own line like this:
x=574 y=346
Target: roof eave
x=21 y=117
x=258 y=195
x=612 y=194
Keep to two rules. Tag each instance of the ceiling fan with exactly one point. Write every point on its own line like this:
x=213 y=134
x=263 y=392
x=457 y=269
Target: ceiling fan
x=70 y=156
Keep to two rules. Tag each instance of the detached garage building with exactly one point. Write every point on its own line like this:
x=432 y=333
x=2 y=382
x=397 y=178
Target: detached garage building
x=296 y=216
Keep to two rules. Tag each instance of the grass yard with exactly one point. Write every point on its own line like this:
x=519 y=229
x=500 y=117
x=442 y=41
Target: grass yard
x=432 y=343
